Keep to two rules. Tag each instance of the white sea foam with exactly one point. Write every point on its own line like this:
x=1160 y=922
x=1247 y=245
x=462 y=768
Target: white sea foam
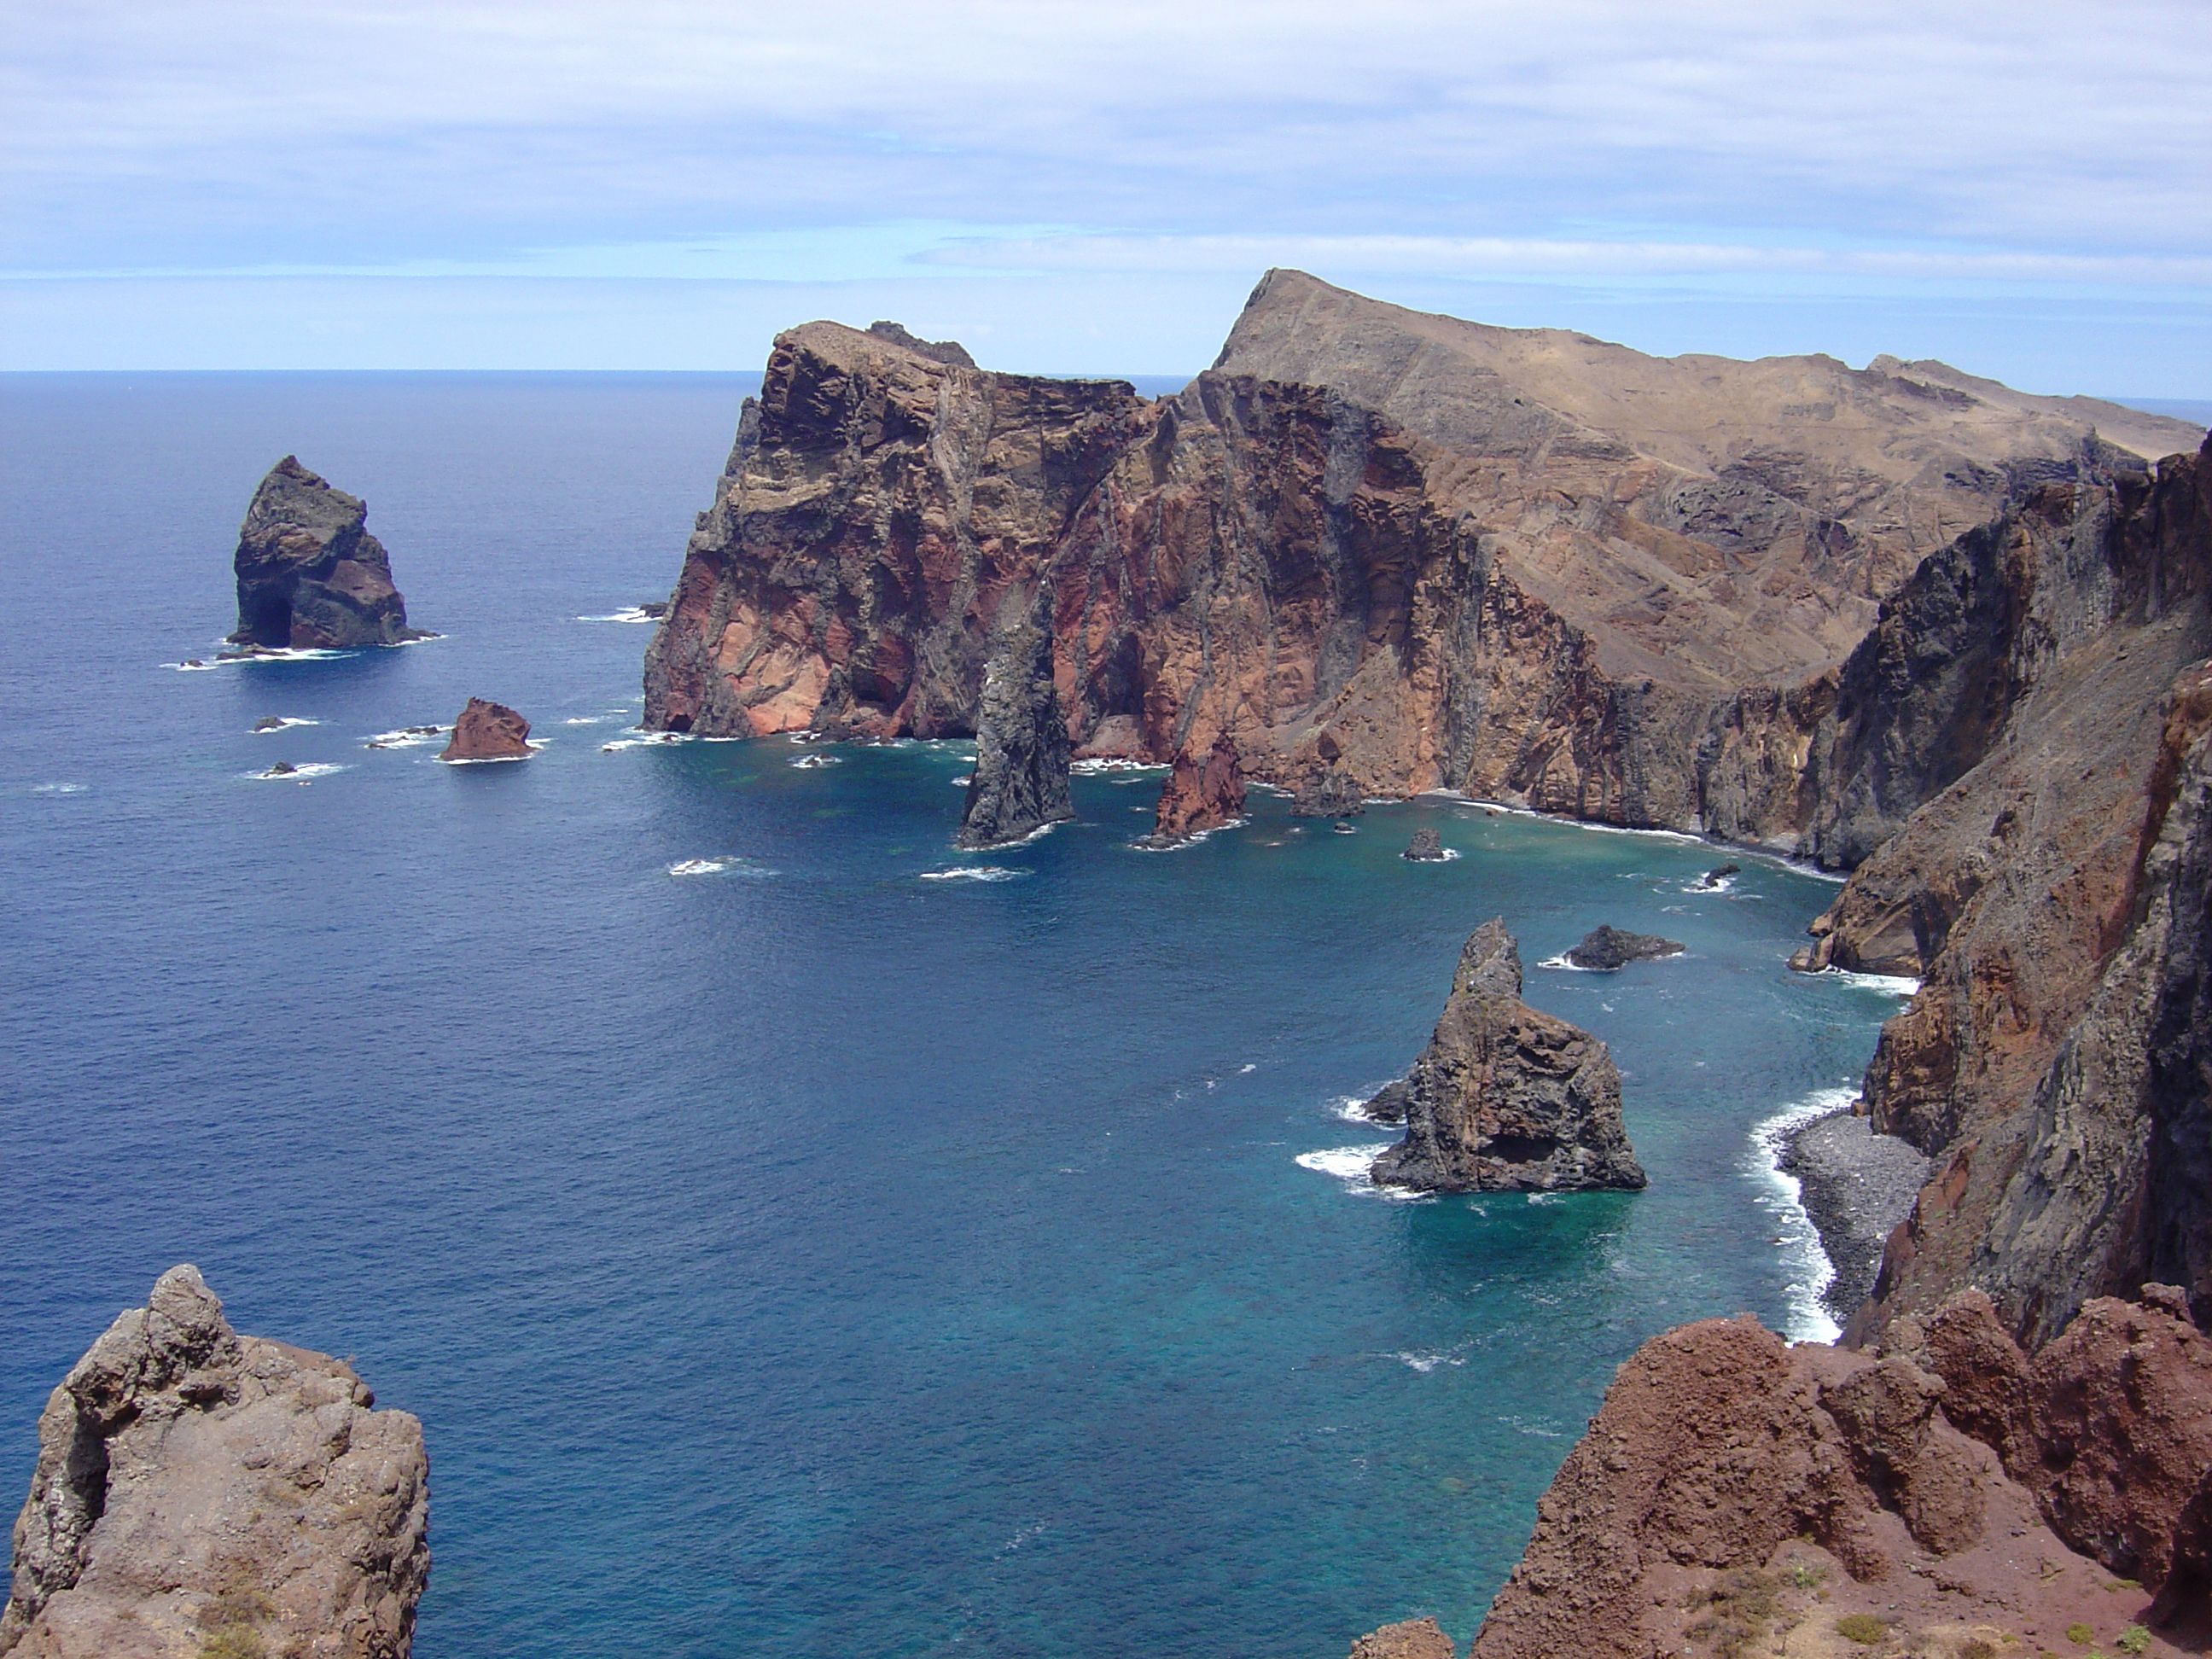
x=719 y=866
x=1107 y=763
x=1723 y=884
x=962 y=780
x=1890 y=985
x=1544 y=1198
x=284 y=723
x=532 y=744
x=809 y=763
x=585 y=720
x=1348 y=1167
x=1038 y=834
x=1248 y=1066
x=58 y=788
x=298 y=774
x=637 y=739
x=411 y=737
x=972 y=872
x=1352 y=1108
x=629 y=613
x=1780 y=1195
x=1425 y=1363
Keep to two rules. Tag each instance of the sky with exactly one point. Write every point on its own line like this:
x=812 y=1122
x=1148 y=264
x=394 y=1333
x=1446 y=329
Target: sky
x=2023 y=189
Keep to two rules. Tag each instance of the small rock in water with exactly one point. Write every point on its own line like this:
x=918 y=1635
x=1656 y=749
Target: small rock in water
x=283 y=769
x=1714 y=877
x=488 y=731
x=270 y=723
x=1608 y=947
x=1426 y=847
x=655 y=609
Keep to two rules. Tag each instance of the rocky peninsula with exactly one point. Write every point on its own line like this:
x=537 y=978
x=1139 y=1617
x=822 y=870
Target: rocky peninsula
x=200 y=1493
x=309 y=573
x=1504 y=1098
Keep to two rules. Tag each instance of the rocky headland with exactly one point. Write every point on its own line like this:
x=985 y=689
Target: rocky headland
x=1904 y=623
x=1384 y=552
x=1504 y=1098
x=309 y=573
x=486 y=731
x=1607 y=948
x=204 y=1495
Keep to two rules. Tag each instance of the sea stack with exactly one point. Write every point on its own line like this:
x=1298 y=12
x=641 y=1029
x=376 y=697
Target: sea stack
x=1605 y=950
x=1425 y=847
x=487 y=732
x=1198 y=795
x=309 y=573
x=1020 y=781
x=198 y=1492
x=1504 y=1098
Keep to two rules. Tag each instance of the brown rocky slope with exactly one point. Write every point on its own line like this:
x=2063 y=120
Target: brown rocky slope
x=198 y=1493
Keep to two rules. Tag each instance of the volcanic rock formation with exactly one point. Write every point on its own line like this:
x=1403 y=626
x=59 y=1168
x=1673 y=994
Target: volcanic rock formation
x=1606 y=948
x=1019 y=784
x=1733 y=1490
x=487 y=732
x=1198 y=795
x=198 y=1493
x=309 y=574
x=1426 y=847
x=1383 y=551
x=1504 y=1098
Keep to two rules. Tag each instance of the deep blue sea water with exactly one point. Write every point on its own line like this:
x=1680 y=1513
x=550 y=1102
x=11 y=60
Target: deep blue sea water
x=800 y=1256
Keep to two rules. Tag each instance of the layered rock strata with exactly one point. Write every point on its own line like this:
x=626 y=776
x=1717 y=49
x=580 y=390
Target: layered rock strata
x=1607 y=948
x=487 y=732
x=1198 y=795
x=1737 y=1495
x=309 y=573
x=1020 y=783
x=1383 y=552
x=198 y=1492
x=1504 y=1097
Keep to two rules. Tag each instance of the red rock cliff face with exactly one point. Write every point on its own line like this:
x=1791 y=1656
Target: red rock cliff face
x=1370 y=588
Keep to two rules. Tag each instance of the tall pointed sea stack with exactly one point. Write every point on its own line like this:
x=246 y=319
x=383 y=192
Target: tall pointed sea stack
x=1504 y=1098
x=1020 y=780
x=309 y=573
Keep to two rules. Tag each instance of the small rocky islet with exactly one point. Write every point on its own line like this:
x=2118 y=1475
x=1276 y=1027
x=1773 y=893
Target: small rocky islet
x=2002 y=738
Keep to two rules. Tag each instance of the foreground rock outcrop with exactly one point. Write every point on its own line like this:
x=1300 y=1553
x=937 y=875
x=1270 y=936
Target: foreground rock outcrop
x=309 y=573
x=1198 y=795
x=1733 y=1495
x=200 y=1493
x=1504 y=1098
x=1020 y=783
x=487 y=732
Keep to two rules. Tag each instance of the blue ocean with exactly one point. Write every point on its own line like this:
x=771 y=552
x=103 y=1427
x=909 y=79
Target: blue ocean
x=796 y=1237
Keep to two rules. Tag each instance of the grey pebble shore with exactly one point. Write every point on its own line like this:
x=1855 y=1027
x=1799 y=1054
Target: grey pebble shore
x=1856 y=1186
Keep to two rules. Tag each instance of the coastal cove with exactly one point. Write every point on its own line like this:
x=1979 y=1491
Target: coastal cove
x=797 y=1236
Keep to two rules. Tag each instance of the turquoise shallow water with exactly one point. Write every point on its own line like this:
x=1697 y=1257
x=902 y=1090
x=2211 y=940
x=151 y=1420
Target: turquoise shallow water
x=801 y=1256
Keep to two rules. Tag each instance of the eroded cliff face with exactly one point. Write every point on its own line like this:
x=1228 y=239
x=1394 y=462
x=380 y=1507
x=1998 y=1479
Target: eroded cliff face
x=1376 y=558
x=309 y=573
x=2035 y=898
x=200 y=1492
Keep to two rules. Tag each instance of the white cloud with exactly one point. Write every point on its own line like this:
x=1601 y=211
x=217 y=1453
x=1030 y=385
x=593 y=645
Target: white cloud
x=223 y=122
